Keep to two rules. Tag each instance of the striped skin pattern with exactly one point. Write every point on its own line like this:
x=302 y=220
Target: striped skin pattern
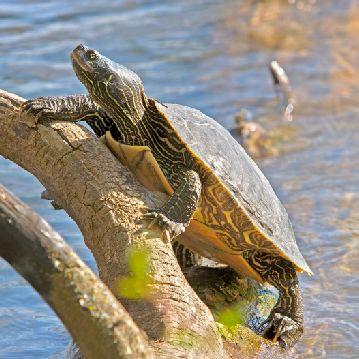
x=73 y=108
x=136 y=120
x=281 y=274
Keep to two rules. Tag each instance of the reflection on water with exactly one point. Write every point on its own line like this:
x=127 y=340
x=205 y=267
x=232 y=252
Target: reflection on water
x=214 y=58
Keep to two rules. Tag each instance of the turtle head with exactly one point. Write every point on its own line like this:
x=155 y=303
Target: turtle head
x=118 y=90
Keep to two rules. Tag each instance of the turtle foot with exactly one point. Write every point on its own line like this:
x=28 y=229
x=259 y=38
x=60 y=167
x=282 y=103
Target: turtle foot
x=169 y=228
x=282 y=329
x=37 y=108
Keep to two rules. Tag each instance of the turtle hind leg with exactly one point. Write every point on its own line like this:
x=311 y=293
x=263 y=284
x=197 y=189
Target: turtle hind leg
x=285 y=322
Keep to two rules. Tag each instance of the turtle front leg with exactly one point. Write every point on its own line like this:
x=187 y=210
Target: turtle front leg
x=63 y=108
x=285 y=322
x=70 y=108
x=174 y=216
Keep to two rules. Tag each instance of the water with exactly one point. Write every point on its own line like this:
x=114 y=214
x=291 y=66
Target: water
x=212 y=55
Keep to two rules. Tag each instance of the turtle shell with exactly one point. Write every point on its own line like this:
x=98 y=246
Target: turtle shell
x=227 y=159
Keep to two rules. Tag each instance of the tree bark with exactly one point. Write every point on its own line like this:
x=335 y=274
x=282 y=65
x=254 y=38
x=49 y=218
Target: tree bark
x=107 y=203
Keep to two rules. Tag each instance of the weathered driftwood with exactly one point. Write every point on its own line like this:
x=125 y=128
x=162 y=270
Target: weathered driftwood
x=106 y=202
x=84 y=304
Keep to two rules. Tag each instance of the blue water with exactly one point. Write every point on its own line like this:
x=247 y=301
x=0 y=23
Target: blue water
x=212 y=55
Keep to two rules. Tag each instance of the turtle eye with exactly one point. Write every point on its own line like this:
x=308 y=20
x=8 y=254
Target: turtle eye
x=91 y=55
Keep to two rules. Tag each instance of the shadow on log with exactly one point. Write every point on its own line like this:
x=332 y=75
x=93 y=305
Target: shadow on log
x=82 y=176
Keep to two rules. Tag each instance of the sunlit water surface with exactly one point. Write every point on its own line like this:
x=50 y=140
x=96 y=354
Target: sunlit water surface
x=212 y=55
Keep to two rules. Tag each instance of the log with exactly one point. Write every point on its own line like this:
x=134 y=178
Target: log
x=106 y=202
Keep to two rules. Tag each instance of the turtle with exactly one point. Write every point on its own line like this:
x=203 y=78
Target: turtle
x=219 y=203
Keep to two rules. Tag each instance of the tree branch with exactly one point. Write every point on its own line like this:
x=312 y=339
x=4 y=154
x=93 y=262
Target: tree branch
x=85 y=305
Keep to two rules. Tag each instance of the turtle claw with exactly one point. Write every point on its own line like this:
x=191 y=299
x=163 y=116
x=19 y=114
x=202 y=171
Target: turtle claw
x=282 y=329
x=170 y=228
